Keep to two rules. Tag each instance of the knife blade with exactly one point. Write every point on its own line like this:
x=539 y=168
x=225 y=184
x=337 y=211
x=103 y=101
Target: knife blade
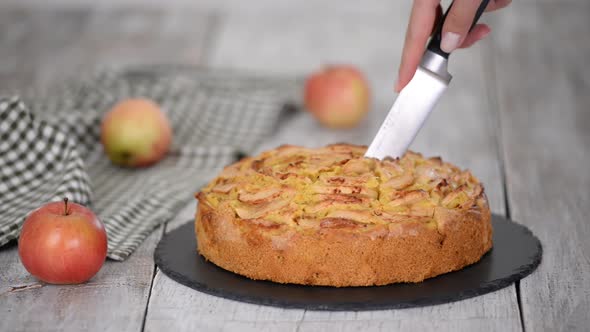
x=417 y=99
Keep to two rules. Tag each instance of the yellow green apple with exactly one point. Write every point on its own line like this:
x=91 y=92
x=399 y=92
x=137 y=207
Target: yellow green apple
x=338 y=96
x=136 y=133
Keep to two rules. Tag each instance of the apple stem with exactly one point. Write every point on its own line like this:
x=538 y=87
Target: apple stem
x=66 y=206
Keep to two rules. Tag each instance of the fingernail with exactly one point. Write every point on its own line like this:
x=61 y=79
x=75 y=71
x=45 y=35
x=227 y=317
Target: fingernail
x=450 y=42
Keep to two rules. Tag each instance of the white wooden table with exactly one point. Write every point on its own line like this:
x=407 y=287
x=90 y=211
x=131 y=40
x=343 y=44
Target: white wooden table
x=517 y=114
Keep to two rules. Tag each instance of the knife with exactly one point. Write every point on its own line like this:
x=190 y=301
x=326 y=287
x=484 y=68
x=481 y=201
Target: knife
x=417 y=99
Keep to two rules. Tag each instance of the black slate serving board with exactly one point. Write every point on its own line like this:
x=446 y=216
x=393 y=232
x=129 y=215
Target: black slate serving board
x=516 y=253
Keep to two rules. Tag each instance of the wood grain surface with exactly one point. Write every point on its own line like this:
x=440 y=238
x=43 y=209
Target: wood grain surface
x=516 y=114
x=545 y=133
x=45 y=45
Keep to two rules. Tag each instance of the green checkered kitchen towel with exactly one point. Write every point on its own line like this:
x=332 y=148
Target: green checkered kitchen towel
x=50 y=145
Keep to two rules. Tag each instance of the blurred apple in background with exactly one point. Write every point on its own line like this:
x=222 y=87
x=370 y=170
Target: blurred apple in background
x=338 y=96
x=135 y=133
x=62 y=243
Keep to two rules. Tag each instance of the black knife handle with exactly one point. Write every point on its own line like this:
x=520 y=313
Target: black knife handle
x=434 y=43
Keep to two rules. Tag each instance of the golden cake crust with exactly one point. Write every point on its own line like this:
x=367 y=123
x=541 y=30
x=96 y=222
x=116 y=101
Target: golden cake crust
x=330 y=217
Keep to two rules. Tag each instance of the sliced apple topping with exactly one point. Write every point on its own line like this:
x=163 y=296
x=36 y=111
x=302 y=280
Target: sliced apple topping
x=327 y=202
x=292 y=164
x=358 y=166
x=426 y=173
x=408 y=161
x=332 y=179
x=364 y=216
x=327 y=158
x=336 y=187
x=400 y=182
x=463 y=197
x=463 y=177
x=339 y=223
x=396 y=209
x=436 y=160
x=231 y=171
x=477 y=191
x=223 y=188
x=388 y=168
x=399 y=218
x=344 y=190
x=289 y=150
x=355 y=151
x=423 y=209
x=293 y=178
x=408 y=197
x=456 y=198
x=286 y=215
x=308 y=223
x=258 y=166
x=259 y=197
x=247 y=211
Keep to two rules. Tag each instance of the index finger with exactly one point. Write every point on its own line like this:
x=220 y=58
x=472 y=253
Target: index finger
x=420 y=26
x=497 y=4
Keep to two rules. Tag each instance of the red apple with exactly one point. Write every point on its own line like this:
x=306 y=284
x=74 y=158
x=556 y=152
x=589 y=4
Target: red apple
x=135 y=133
x=338 y=96
x=62 y=243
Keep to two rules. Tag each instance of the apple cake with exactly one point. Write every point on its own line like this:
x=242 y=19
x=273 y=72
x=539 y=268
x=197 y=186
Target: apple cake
x=331 y=217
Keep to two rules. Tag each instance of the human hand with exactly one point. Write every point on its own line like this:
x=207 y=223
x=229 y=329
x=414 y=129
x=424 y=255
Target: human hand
x=455 y=32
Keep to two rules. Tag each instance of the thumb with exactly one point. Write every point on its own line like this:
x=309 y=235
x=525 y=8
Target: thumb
x=457 y=24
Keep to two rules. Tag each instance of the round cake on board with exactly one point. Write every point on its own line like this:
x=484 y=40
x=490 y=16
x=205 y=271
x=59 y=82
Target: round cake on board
x=331 y=217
